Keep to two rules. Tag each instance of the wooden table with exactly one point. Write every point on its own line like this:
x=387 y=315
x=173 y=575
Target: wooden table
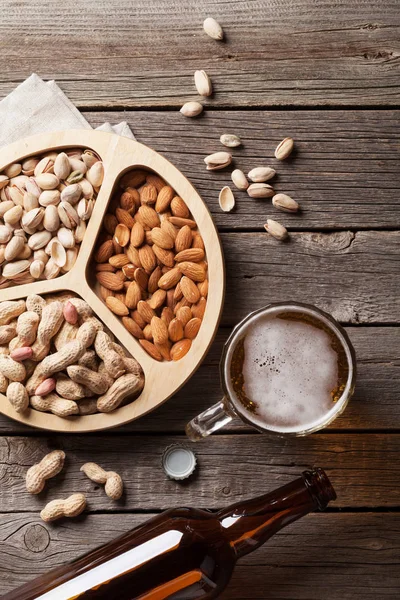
x=328 y=74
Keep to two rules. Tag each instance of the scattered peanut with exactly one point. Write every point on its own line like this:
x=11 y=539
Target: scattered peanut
x=50 y=466
x=70 y=507
x=114 y=486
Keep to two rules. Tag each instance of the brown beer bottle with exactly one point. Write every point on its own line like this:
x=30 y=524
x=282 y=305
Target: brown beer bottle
x=182 y=554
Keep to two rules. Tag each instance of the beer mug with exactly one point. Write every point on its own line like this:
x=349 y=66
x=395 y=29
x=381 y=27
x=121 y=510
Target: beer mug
x=287 y=368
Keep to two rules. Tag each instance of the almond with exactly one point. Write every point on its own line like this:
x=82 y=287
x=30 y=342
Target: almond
x=197 y=240
x=175 y=330
x=104 y=292
x=162 y=238
x=111 y=281
x=148 y=194
x=166 y=257
x=160 y=330
x=192 y=270
x=191 y=255
x=192 y=328
x=116 y=306
x=189 y=290
x=184 y=314
x=155 y=180
x=183 y=239
x=199 y=308
x=137 y=235
x=118 y=260
x=105 y=267
x=164 y=198
x=148 y=237
x=129 y=270
x=170 y=299
x=128 y=202
x=122 y=235
x=164 y=349
x=125 y=218
x=147 y=332
x=178 y=294
x=148 y=216
x=151 y=349
x=138 y=319
x=180 y=349
x=110 y=222
x=157 y=299
x=167 y=315
x=145 y=311
x=132 y=327
x=147 y=258
x=133 y=255
x=141 y=278
x=104 y=252
x=180 y=222
x=154 y=278
x=117 y=248
x=133 y=295
x=133 y=178
x=179 y=208
x=170 y=279
x=203 y=288
x=170 y=229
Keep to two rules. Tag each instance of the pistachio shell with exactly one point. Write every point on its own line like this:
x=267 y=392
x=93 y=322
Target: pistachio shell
x=226 y=199
x=230 y=140
x=203 y=83
x=213 y=29
x=191 y=109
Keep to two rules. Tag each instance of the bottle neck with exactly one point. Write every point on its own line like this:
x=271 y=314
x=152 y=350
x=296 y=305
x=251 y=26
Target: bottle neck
x=247 y=525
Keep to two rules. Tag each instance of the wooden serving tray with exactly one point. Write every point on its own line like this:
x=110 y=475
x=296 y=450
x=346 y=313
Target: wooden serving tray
x=162 y=379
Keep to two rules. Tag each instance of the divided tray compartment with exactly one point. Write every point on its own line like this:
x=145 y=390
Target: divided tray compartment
x=162 y=379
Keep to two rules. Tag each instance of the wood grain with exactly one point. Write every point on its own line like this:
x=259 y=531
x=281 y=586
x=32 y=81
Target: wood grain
x=230 y=468
x=344 y=172
x=306 y=561
x=144 y=53
x=375 y=404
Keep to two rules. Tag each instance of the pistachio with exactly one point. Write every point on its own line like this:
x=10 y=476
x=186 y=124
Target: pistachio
x=14 y=247
x=51 y=219
x=29 y=165
x=5 y=206
x=213 y=29
x=72 y=193
x=226 y=199
x=13 y=170
x=77 y=165
x=218 y=160
x=51 y=270
x=275 y=229
x=62 y=167
x=17 y=195
x=3 y=181
x=261 y=174
x=72 y=254
x=36 y=268
x=33 y=218
x=95 y=174
x=87 y=188
x=285 y=203
x=230 y=140
x=260 y=190
x=30 y=201
x=47 y=181
x=5 y=234
x=74 y=177
x=32 y=187
x=85 y=209
x=284 y=149
x=48 y=197
x=80 y=231
x=239 y=179
x=66 y=237
x=89 y=158
x=191 y=109
x=12 y=269
x=68 y=215
x=13 y=215
x=45 y=165
x=203 y=83
x=39 y=239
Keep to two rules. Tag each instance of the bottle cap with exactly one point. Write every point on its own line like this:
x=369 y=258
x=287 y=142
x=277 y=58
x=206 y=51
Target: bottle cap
x=178 y=461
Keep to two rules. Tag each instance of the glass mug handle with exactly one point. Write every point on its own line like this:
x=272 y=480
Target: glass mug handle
x=210 y=420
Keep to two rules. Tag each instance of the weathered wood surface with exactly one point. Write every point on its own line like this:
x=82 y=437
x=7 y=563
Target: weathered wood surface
x=332 y=556
x=364 y=469
x=344 y=172
x=375 y=404
x=144 y=53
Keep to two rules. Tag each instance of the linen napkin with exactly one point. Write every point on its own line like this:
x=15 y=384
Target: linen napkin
x=36 y=106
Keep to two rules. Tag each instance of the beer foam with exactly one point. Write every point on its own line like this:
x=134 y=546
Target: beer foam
x=290 y=370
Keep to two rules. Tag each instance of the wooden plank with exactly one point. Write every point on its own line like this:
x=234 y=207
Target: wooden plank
x=344 y=172
x=351 y=555
x=231 y=467
x=145 y=53
x=375 y=404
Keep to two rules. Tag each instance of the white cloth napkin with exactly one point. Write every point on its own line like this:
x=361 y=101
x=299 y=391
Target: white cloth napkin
x=36 y=106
